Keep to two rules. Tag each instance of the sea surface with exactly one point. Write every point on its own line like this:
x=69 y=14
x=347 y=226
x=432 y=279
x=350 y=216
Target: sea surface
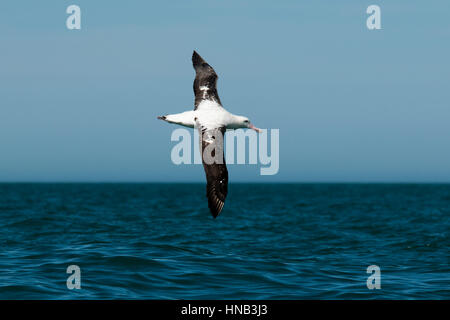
x=272 y=241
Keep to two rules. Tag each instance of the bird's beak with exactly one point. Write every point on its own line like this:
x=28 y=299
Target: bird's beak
x=254 y=128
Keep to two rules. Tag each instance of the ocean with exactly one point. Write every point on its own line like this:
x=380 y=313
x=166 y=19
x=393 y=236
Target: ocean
x=271 y=241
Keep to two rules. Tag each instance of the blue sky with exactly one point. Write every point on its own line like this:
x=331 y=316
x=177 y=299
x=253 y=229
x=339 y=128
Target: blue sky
x=351 y=104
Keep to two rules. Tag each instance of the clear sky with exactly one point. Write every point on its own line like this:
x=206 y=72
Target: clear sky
x=351 y=104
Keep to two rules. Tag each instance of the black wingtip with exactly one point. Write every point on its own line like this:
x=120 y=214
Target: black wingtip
x=215 y=207
x=195 y=55
x=197 y=60
x=214 y=214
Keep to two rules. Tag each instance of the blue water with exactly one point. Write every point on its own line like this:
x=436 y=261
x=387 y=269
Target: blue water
x=272 y=241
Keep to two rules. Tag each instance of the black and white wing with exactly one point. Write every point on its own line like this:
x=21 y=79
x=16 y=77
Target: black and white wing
x=215 y=167
x=205 y=82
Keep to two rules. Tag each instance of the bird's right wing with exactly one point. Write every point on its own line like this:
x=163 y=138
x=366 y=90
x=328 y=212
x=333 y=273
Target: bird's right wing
x=215 y=168
x=205 y=82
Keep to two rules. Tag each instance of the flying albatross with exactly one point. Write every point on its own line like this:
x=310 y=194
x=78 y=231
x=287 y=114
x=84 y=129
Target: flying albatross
x=212 y=120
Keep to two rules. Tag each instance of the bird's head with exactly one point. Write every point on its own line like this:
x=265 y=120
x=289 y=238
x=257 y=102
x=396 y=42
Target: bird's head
x=244 y=122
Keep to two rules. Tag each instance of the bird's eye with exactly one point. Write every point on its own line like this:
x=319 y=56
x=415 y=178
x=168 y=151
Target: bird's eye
x=246 y=121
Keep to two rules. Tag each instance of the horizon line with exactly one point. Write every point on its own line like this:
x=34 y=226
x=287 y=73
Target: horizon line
x=236 y=182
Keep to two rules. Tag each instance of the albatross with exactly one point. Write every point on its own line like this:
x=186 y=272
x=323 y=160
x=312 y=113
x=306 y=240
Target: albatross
x=212 y=120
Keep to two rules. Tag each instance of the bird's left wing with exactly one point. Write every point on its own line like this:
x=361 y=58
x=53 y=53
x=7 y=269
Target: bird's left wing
x=205 y=83
x=215 y=168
